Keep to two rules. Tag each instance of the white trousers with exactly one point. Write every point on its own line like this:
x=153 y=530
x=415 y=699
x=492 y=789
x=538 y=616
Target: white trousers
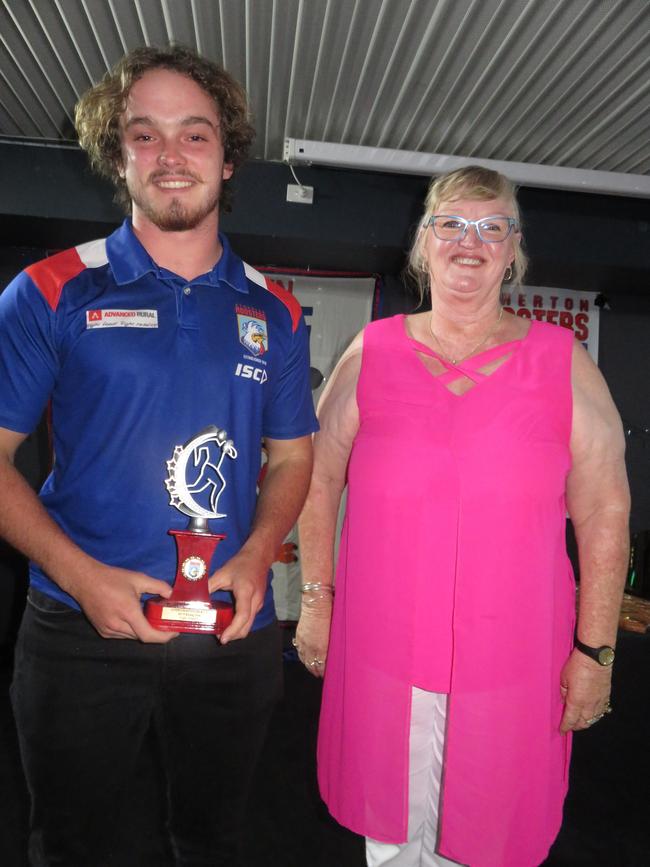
x=427 y=740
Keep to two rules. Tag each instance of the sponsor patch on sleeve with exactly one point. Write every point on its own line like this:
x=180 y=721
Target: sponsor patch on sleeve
x=121 y=319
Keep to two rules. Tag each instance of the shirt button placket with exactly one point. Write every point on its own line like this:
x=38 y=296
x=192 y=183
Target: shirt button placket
x=189 y=312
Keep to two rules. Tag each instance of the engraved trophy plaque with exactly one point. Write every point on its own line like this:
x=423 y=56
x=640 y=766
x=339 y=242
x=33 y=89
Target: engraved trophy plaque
x=189 y=608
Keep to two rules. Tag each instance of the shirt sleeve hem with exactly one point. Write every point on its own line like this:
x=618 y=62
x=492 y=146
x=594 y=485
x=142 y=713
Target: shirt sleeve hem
x=291 y=434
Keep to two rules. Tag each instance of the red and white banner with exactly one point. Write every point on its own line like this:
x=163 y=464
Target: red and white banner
x=566 y=307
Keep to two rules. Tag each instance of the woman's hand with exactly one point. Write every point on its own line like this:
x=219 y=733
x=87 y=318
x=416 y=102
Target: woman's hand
x=312 y=633
x=585 y=687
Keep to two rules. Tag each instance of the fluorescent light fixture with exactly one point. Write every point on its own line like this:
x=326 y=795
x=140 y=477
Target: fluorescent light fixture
x=306 y=152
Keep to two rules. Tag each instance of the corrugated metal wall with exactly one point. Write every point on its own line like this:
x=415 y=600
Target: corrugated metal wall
x=558 y=82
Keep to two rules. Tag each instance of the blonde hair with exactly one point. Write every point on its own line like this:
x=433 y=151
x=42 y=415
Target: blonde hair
x=98 y=112
x=471 y=182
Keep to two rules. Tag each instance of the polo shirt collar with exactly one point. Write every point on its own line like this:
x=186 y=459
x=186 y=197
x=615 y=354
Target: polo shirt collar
x=229 y=269
x=130 y=261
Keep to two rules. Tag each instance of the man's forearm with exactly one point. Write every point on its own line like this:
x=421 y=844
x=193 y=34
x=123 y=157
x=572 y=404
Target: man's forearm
x=26 y=525
x=279 y=503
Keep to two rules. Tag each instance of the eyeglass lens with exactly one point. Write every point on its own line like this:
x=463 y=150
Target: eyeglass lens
x=490 y=230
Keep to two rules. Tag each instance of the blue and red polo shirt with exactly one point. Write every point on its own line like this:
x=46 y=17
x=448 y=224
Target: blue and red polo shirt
x=135 y=361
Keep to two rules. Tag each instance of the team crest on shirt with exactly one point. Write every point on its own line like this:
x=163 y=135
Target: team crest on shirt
x=253 y=333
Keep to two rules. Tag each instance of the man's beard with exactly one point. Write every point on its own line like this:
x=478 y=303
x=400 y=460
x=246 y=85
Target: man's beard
x=175 y=216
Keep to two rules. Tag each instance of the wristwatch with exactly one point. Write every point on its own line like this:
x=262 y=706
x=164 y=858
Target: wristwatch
x=603 y=655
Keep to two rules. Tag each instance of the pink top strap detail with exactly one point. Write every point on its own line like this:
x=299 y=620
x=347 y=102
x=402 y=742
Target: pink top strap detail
x=468 y=366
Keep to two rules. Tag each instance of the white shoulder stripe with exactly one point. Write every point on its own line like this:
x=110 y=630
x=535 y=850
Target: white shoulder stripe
x=254 y=275
x=93 y=253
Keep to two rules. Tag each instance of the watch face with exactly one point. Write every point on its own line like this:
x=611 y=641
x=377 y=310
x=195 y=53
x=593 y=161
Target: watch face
x=606 y=656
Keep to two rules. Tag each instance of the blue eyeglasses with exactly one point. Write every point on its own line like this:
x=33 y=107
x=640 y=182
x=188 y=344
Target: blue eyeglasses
x=491 y=230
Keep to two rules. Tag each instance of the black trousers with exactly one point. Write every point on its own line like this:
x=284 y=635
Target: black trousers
x=83 y=705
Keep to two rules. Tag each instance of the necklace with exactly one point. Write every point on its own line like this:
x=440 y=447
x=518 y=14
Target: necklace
x=456 y=361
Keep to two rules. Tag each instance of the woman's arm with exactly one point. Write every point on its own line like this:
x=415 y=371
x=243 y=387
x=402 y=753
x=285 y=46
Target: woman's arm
x=338 y=416
x=598 y=502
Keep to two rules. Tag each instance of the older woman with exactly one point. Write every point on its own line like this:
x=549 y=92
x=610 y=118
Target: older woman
x=465 y=434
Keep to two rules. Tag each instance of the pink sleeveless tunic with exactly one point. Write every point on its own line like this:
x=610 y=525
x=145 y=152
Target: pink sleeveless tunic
x=453 y=576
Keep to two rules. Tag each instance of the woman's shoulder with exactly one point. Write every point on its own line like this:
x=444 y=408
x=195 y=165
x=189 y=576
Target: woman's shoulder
x=552 y=331
x=551 y=334
x=382 y=333
x=386 y=324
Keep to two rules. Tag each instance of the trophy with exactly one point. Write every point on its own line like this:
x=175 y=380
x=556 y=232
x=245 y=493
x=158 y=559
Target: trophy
x=189 y=608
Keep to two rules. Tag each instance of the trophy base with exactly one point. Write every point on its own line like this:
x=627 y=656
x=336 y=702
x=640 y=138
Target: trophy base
x=206 y=617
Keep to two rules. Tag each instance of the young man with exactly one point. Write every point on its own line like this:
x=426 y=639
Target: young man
x=92 y=674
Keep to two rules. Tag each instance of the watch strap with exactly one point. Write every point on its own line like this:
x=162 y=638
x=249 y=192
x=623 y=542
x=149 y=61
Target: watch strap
x=603 y=655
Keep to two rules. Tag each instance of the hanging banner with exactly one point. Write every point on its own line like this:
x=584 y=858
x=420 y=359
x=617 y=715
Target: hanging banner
x=335 y=308
x=565 y=307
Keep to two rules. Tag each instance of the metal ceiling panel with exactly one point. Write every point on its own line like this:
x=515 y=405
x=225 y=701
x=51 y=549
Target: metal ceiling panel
x=559 y=82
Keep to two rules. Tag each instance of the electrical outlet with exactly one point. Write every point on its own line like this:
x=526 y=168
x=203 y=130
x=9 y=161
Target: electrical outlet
x=299 y=194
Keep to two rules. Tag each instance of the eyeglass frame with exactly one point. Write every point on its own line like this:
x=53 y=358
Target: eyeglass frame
x=512 y=224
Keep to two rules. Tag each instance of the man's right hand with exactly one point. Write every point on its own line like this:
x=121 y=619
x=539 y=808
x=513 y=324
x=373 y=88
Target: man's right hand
x=110 y=599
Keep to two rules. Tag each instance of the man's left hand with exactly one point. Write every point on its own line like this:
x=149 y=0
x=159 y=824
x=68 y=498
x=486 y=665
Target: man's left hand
x=245 y=577
x=585 y=688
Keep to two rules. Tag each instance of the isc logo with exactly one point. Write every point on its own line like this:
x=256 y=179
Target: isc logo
x=250 y=372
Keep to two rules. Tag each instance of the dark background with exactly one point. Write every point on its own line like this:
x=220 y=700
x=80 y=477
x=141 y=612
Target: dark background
x=363 y=221
x=360 y=221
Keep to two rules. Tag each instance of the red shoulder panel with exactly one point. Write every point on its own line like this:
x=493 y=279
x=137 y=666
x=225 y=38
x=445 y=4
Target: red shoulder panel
x=289 y=301
x=51 y=274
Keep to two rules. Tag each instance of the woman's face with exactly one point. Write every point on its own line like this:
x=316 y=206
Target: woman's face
x=469 y=266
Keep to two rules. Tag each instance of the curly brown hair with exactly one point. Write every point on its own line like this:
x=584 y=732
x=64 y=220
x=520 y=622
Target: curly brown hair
x=97 y=114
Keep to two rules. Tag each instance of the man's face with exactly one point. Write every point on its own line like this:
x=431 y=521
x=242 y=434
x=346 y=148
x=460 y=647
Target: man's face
x=172 y=156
